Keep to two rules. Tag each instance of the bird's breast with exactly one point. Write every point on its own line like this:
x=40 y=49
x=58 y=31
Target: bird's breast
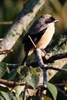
x=46 y=37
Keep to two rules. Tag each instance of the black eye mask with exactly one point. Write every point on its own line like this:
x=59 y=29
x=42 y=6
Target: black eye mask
x=49 y=20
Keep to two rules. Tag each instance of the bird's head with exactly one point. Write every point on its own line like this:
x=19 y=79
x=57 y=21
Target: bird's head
x=49 y=19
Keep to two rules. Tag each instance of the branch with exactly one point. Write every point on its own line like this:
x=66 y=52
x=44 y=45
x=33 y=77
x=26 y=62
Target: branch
x=21 y=24
x=6 y=23
x=47 y=67
x=56 y=57
x=61 y=84
x=14 y=83
x=11 y=83
x=35 y=63
x=41 y=64
x=57 y=69
x=5 y=51
x=49 y=60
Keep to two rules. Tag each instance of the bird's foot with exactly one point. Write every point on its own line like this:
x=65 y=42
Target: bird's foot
x=43 y=52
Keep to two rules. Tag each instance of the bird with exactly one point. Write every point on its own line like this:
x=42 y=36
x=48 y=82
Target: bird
x=41 y=33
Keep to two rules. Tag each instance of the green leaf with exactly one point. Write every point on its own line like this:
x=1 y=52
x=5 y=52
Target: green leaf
x=33 y=71
x=2 y=69
x=19 y=89
x=6 y=95
x=12 y=74
x=32 y=80
x=52 y=89
x=24 y=70
x=14 y=98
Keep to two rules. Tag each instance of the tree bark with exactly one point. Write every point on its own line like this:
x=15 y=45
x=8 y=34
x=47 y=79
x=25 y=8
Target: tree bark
x=20 y=24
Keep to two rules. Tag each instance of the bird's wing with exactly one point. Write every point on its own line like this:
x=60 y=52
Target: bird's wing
x=37 y=26
x=35 y=37
x=36 y=29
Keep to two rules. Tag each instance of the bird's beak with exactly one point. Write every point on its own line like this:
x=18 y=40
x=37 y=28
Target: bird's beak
x=56 y=20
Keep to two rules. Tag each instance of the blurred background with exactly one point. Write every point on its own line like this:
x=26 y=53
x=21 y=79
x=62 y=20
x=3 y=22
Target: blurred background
x=9 y=9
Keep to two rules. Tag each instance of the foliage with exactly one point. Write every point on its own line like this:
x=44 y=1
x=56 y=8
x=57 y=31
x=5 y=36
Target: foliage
x=8 y=10
x=28 y=75
x=2 y=69
x=52 y=89
x=33 y=79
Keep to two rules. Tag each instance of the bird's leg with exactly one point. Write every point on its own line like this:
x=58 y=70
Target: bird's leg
x=43 y=52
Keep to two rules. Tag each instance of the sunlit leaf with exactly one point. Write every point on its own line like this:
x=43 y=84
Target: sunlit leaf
x=65 y=88
x=14 y=98
x=31 y=92
x=19 y=89
x=33 y=71
x=32 y=80
x=6 y=95
x=52 y=89
x=47 y=98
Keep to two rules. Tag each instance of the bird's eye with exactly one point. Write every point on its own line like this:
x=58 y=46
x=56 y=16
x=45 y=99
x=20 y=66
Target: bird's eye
x=52 y=19
x=49 y=20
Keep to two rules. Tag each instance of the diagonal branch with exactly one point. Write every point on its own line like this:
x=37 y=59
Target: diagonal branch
x=49 y=60
x=21 y=24
x=57 y=69
x=56 y=57
x=41 y=64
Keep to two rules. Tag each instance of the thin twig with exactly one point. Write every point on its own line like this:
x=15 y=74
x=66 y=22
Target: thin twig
x=6 y=23
x=56 y=57
x=47 y=67
x=49 y=60
x=61 y=84
x=10 y=83
x=5 y=51
x=33 y=63
x=32 y=41
x=57 y=69
x=12 y=65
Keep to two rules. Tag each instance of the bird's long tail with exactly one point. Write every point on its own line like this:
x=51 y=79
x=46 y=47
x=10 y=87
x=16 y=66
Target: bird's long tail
x=24 y=58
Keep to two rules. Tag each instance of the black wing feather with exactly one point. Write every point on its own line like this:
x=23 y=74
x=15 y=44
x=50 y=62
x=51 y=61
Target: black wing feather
x=36 y=31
